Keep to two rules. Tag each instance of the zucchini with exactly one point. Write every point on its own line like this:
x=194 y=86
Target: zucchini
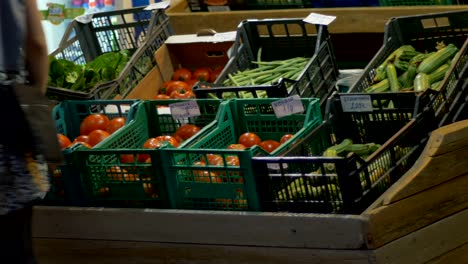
x=379 y=87
x=392 y=77
x=437 y=59
x=401 y=65
x=439 y=74
x=421 y=82
x=407 y=78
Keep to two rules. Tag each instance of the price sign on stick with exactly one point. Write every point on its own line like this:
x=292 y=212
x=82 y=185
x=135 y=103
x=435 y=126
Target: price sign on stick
x=356 y=103
x=184 y=110
x=288 y=106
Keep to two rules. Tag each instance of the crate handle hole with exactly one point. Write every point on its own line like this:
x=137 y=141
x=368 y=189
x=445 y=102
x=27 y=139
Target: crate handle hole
x=435 y=22
x=216 y=54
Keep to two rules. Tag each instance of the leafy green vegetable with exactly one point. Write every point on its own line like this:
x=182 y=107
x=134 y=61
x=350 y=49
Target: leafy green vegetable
x=106 y=67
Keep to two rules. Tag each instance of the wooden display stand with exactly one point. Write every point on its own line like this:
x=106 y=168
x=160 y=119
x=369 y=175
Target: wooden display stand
x=420 y=219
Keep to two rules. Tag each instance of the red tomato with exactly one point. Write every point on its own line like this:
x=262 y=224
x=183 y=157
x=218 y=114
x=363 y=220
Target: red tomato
x=202 y=74
x=182 y=94
x=82 y=138
x=74 y=143
x=177 y=86
x=164 y=86
x=161 y=97
x=150 y=143
x=63 y=140
x=179 y=139
x=186 y=131
x=215 y=159
x=127 y=158
x=215 y=73
x=93 y=122
x=97 y=136
x=269 y=145
x=249 y=139
x=232 y=161
x=286 y=138
x=236 y=146
x=169 y=139
x=182 y=74
x=191 y=82
x=115 y=124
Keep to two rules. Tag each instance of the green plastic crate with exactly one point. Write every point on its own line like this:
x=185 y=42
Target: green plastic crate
x=111 y=182
x=231 y=186
x=65 y=182
x=414 y=2
x=257 y=115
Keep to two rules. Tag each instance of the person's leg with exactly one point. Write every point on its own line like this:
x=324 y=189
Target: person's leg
x=16 y=237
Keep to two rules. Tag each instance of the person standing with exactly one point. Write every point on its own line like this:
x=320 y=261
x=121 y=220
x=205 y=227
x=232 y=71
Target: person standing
x=23 y=172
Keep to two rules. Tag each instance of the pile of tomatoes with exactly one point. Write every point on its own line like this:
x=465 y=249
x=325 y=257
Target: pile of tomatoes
x=183 y=80
x=183 y=133
x=246 y=140
x=250 y=139
x=93 y=129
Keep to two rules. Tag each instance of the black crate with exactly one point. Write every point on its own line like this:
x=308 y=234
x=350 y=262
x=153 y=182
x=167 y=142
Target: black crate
x=140 y=31
x=423 y=32
x=457 y=110
x=356 y=182
x=282 y=39
x=460 y=112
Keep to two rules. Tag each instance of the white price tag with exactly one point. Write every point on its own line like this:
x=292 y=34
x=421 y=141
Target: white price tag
x=84 y=19
x=184 y=109
x=288 y=106
x=318 y=19
x=356 y=103
x=276 y=166
x=226 y=36
x=159 y=5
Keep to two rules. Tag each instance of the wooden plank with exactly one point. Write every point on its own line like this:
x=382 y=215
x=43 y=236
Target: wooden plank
x=448 y=138
x=428 y=172
x=202 y=227
x=349 y=20
x=456 y=256
x=390 y=222
x=446 y=151
x=59 y=251
x=148 y=87
x=427 y=243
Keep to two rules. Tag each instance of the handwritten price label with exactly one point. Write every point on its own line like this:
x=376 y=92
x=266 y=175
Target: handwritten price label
x=288 y=106
x=184 y=110
x=356 y=103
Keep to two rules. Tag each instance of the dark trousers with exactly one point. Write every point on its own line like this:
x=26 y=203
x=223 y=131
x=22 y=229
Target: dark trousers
x=16 y=237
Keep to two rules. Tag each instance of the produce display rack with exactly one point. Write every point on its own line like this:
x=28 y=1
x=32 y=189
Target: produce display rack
x=113 y=173
x=412 y=213
x=423 y=32
x=66 y=183
x=418 y=220
x=301 y=180
x=135 y=29
x=295 y=38
x=231 y=186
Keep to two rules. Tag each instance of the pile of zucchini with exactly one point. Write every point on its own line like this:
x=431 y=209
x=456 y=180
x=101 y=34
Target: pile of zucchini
x=302 y=188
x=406 y=69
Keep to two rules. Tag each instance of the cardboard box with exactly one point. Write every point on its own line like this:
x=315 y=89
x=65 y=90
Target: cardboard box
x=190 y=51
